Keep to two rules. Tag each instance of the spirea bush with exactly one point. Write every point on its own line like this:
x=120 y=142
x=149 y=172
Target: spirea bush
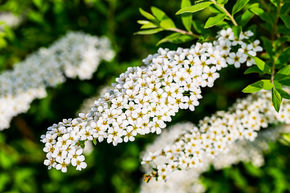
x=144 y=98
x=168 y=88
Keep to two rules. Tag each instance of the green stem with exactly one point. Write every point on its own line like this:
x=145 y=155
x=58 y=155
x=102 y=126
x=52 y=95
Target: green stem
x=274 y=31
x=226 y=12
x=273 y=69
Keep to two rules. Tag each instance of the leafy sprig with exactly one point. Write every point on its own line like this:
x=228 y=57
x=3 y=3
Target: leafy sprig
x=272 y=67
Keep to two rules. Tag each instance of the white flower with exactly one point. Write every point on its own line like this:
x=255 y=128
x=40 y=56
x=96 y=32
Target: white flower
x=145 y=98
x=187 y=181
x=74 y=55
x=236 y=59
x=216 y=134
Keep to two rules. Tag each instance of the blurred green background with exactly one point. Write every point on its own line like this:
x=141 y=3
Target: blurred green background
x=110 y=169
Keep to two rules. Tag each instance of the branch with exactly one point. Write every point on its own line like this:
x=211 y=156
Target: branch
x=226 y=12
x=184 y=32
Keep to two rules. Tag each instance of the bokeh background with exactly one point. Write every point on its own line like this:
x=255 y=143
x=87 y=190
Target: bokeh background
x=110 y=169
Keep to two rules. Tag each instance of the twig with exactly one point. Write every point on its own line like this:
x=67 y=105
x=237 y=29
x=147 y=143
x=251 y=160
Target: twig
x=276 y=21
x=184 y=32
x=24 y=128
x=226 y=12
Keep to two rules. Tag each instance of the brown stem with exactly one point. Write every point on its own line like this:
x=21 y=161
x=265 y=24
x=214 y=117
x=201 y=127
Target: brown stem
x=24 y=128
x=226 y=12
x=184 y=32
x=266 y=6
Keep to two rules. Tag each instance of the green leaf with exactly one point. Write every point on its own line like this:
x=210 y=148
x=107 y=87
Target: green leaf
x=256 y=86
x=148 y=25
x=284 y=73
x=254 y=8
x=194 y=8
x=222 y=1
x=239 y=6
x=262 y=65
x=147 y=15
x=186 y=18
x=285 y=81
x=245 y=18
x=142 y=22
x=38 y=3
x=176 y=38
x=165 y=21
x=283 y=93
x=284 y=56
x=149 y=31
x=275 y=2
x=285 y=139
x=95 y=141
x=158 y=13
x=286 y=20
x=167 y=24
x=268 y=46
x=267 y=84
x=257 y=10
x=237 y=30
x=198 y=26
x=276 y=99
x=253 y=69
x=212 y=21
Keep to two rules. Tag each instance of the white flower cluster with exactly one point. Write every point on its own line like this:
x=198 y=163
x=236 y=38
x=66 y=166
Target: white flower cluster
x=75 y=55
x=187 y=181
x=145 y=98
x=216 y=134
x=89 y=102
x=9 y=19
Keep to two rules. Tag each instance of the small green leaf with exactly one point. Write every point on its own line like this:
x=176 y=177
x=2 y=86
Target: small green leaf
x=267 y=84
x=237 y=30
x=147 y=15
x=222 y=1
x=239 y=6
x=284 y=73
x=275 y=2
x=276 y=99
x=158 y=13
x=245 y=18
x=284 y=56
x=149 y=31
x=194 y=8
x=256 y=86
x=198 y=26
x=285 y=81
x=285 y=139
x=212 y=21
x=257 y=10
x=253 y=69
x=286 y=20
x=149 y=25
x=38 y=3
x=262 y=65
x=186 y=18
x=167 y=24
x=95 y=141
x=165 y=21
x=283 y=93
x=142 y=22
x=268 y=46
x=176 y=38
